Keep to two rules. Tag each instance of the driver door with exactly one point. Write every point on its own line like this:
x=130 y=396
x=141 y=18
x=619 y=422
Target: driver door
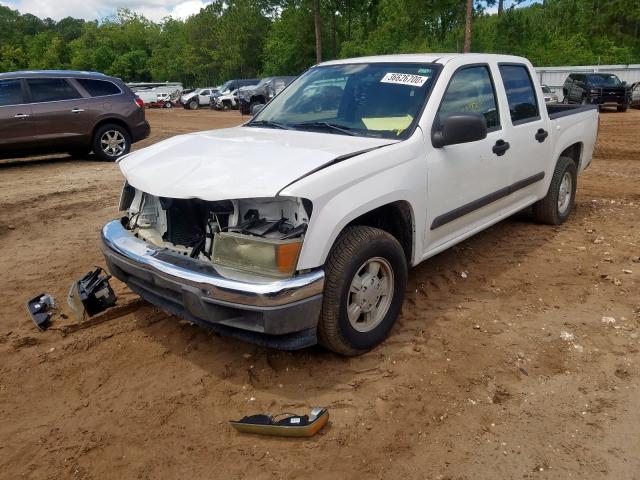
x=466 y=181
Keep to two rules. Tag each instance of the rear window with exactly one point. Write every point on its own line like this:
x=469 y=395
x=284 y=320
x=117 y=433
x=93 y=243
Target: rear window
x=51 y=90
x=98 y=88
x=10 y=93
x=523 y=105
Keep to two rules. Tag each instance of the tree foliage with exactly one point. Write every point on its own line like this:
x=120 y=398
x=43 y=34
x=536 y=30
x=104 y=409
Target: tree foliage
x=246 y=38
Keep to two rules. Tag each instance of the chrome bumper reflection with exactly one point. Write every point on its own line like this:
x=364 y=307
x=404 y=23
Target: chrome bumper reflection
x=222 y=285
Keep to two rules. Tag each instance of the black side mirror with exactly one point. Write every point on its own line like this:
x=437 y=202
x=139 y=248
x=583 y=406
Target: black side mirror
x=469 y=127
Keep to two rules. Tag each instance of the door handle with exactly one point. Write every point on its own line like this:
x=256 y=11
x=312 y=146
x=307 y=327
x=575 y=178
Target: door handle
x=541 y=135
x=21 y=115
x=500 y=147
x=77 y=110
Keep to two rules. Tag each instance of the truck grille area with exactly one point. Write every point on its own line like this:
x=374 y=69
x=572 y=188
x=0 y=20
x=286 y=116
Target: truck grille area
x=185 y=224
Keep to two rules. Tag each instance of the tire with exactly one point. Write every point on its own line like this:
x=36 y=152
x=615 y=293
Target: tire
x=168 y=105
x=622 y=108
x=193 y=105
x=356 y=251
x=252 y=104
x=110 y=142
x=555 y=207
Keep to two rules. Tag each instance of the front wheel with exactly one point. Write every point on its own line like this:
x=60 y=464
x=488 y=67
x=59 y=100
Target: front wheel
x=193 y=105
x=366 y=277
x=622 y=108
x=555 y=207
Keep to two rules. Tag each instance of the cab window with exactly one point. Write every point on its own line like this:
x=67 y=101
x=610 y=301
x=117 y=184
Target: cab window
x=523 y=104
x=471 y=91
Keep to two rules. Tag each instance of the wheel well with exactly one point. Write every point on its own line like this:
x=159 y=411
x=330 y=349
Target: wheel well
x=258 y=98
x=394 y=218
x=574 y=152
x=114 y=121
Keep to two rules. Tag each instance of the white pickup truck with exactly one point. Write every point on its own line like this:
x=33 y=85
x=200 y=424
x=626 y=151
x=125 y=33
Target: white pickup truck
x=299 y=226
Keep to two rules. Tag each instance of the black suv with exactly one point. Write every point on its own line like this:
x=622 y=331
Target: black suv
x=603 y=89
x=64 y=111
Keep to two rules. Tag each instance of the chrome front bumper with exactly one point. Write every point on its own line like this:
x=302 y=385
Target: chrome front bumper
x=200 y=292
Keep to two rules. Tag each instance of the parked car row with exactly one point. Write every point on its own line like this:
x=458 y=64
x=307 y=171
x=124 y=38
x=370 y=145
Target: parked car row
x=242 y=94
x=68 y=111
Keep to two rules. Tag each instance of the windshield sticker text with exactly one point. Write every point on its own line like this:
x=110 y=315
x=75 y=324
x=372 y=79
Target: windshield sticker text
x=404 y=79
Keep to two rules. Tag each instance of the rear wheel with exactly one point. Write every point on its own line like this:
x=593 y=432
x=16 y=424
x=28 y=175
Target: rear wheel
x=366 y=277
x=622 y=108
x=110 y=142
x=555 y=208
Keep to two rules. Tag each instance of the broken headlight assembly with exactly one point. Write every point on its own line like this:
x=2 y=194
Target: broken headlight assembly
x=263 y=236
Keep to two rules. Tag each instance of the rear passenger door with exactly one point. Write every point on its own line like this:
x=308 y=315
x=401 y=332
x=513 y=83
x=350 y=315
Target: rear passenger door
x=527 y=128
x=16 y=123
x=101 y=97
x=59 y=112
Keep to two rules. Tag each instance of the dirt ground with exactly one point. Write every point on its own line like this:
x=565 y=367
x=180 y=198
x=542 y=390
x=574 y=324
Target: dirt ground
x=505 y=372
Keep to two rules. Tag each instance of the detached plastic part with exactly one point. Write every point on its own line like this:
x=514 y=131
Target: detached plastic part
x=290 y=426
x=91 y=294
x=38 y=308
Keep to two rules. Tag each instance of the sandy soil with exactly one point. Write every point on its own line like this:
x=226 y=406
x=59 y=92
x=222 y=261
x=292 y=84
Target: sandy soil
x=475 y=382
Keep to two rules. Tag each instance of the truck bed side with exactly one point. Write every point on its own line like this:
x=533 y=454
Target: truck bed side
x=574 y=125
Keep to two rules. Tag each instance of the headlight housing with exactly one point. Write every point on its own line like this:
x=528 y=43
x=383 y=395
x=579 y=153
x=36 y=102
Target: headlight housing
x=277 y=258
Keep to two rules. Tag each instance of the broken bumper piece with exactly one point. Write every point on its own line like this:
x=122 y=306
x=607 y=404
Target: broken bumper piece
x=278 y=313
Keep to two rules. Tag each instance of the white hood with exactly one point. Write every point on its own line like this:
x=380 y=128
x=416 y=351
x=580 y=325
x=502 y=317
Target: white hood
x=240 y=162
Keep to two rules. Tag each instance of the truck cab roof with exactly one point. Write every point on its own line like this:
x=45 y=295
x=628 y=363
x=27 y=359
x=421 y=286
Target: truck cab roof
x=440 y=58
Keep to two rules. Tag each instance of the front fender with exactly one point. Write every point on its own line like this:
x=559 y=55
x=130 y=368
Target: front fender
x=346 y=190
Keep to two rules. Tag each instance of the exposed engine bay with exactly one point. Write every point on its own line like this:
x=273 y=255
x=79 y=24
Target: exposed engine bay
x=253 y=230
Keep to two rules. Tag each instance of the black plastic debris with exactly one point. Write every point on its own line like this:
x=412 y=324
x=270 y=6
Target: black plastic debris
x=39 y=308
x=91 y=294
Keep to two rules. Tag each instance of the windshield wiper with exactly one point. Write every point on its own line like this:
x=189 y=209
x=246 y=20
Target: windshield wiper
x=268 y=124
x=327 y=126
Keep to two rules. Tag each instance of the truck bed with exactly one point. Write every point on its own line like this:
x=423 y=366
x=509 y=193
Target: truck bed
x=562 y=110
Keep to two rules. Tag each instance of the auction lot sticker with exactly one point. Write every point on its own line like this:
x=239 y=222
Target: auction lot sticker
x=404 y=79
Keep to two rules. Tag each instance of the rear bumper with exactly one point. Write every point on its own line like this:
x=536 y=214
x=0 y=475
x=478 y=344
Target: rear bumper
x=281 y=313
x=140 y=131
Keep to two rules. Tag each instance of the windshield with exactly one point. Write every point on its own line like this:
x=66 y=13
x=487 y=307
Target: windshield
x=609 y=80
x=369 y=99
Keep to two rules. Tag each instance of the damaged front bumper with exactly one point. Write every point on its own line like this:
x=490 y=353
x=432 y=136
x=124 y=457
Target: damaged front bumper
x=279 y=313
